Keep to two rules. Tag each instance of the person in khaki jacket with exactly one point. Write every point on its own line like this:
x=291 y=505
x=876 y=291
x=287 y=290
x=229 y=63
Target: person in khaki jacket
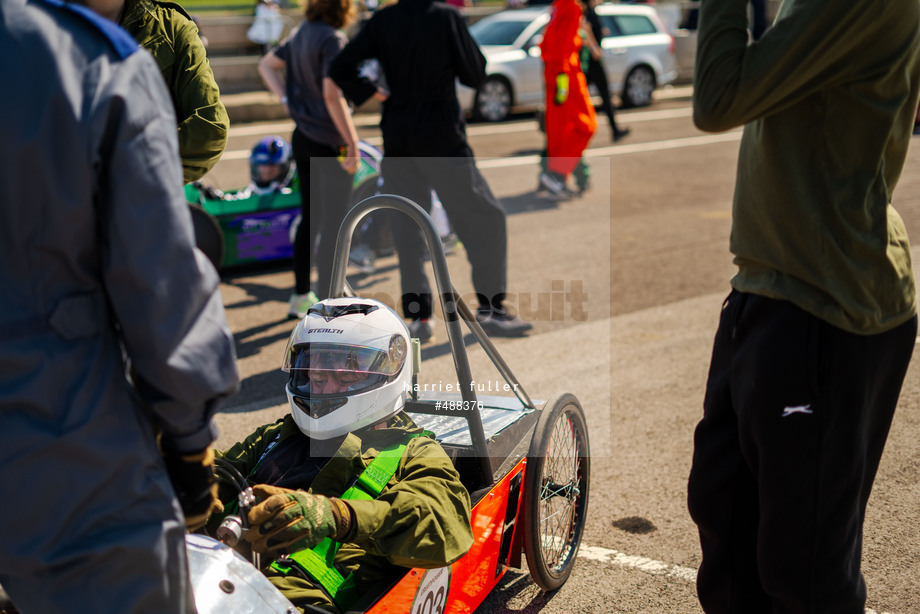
x=321 y=472
x=169 y=34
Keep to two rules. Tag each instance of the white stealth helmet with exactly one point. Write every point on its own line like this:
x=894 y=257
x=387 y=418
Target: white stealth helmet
x=349 y=364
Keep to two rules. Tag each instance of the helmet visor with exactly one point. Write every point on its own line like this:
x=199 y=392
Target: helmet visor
x=332 y=369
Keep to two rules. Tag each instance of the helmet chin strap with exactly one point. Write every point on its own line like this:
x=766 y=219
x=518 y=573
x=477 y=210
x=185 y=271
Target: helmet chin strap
x=382 y=424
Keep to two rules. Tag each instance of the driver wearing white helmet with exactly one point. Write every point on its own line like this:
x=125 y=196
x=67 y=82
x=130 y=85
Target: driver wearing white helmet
x=333 y=378
x=347 y=471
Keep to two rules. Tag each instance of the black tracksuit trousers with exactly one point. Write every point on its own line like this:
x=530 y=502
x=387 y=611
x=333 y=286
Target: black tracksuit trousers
x=796 y=415
x=474 y=212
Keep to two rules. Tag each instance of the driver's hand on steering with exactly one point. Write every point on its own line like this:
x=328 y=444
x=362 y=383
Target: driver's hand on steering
x=288 y=521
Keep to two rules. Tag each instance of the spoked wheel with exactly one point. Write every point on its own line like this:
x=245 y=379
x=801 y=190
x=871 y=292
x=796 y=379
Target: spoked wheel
x=556 y=491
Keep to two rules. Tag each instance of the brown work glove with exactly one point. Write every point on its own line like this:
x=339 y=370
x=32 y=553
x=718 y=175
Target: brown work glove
x=192 y=477
x=288 y=521
x=264 y=491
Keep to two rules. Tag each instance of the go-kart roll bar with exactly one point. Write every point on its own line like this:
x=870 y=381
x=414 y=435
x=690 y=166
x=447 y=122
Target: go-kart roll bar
x=452 y=304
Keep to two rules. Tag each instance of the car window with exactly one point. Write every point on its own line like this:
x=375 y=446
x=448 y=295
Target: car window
x=497 y=32
x=631 y=25
x=536 y=38
x=610 y=24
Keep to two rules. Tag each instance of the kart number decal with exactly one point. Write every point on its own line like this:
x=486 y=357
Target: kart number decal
x=431 y=596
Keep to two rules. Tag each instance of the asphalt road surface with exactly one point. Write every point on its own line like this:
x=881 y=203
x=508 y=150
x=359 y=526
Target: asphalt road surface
x=648 y=246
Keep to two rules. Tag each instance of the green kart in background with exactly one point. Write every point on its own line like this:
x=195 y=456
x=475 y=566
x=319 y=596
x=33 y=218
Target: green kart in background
x=241 y=228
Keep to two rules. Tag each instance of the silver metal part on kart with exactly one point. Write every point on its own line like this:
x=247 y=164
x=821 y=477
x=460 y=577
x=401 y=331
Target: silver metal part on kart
x=230 y=530
x=223 y=581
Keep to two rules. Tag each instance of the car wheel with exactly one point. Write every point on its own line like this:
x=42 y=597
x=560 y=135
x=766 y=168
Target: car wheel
x=493 y=100
x=640 y=83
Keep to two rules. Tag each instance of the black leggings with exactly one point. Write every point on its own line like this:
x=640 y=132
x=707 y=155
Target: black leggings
x=325 y=192
x=596 y=75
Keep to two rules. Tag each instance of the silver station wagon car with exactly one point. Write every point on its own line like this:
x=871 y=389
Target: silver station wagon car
x=639 y=55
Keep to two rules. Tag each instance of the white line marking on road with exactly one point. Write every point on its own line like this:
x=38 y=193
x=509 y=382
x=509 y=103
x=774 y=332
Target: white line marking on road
x=507 y=128
x=239 y=154
x=286 y=126
x=508 y=162
x=651 y=566
x=368 y=120
x=691 y=141
x=674 y=91
x=658 y=568
x=283 y=126
x=634 y=117
x=610 y=150
x=617 y=150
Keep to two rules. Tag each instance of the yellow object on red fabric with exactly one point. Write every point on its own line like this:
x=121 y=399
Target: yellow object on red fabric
x=571 y=124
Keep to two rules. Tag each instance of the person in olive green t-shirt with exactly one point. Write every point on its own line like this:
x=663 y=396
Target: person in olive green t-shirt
x=816 y=336
x=168 y=32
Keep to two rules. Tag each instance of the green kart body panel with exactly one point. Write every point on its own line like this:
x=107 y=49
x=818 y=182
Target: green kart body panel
x=243 y=228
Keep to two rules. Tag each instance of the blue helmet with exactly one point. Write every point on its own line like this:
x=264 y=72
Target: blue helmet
x=270 y=164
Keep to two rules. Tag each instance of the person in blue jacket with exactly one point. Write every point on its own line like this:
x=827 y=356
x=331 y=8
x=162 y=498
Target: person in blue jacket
x=112 y=331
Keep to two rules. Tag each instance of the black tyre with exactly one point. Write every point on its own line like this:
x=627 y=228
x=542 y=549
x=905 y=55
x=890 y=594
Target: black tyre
x=208 y=236
x=493 y=100
x=556 y=486
x=638 y=87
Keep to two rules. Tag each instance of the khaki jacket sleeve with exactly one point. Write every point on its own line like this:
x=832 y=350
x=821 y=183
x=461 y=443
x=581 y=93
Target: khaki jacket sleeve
x=202 y=117
x=423 y=520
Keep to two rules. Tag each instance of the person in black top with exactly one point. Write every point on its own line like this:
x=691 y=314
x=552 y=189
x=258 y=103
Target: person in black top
x=423 y=47
x=596 y=74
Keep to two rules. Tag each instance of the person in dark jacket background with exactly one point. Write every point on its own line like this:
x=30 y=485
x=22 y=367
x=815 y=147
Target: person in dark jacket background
x=423 y=47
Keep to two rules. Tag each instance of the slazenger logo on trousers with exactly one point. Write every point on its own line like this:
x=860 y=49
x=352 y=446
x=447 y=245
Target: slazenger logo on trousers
x=797 y=409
